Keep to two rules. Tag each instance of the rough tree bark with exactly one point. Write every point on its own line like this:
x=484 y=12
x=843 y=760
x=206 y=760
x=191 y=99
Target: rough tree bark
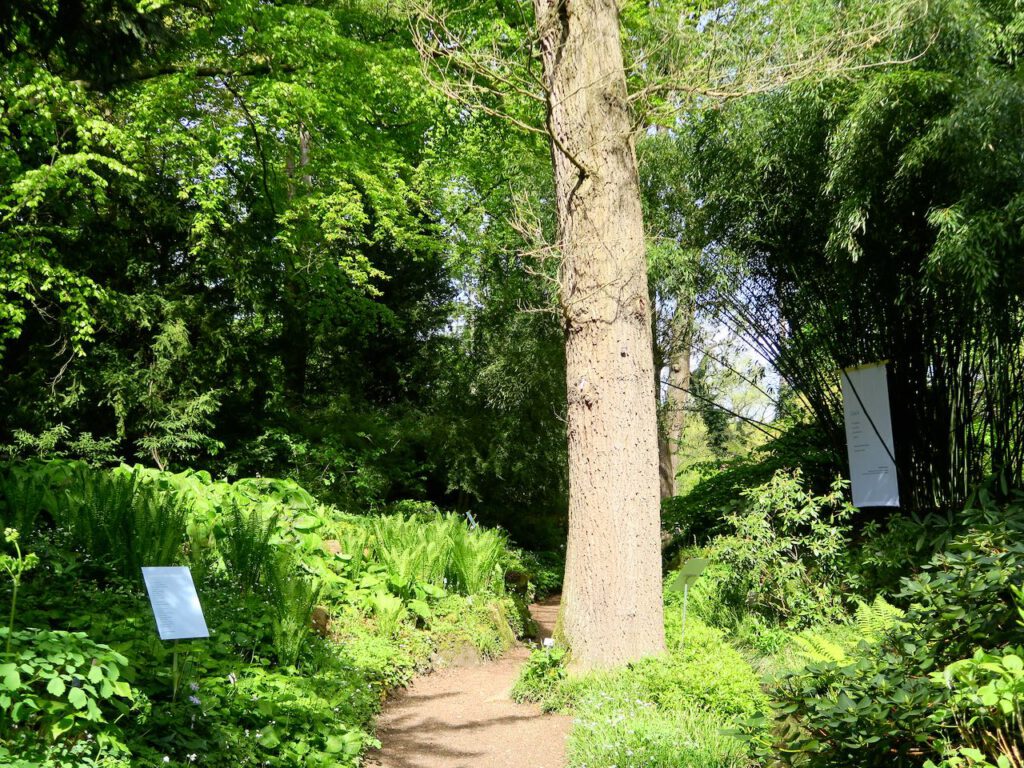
x=611 y=600
x=674 y=415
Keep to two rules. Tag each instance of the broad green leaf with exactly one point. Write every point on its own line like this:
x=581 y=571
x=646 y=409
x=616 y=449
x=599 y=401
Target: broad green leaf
x=78 y=698
x=56 y=687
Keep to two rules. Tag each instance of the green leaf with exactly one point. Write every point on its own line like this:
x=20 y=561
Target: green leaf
x=56 y=687
x=305 y=523
x=1013 y=663
x=269 y=738
x=78 y=698
x=11 y=677
x=95 y=673
x=63 y=725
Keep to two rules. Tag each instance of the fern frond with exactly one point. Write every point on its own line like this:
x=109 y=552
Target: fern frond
x=877 y=619
x=817 y=649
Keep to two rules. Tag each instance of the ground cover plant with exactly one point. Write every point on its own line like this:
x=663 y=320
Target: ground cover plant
x=681 y=710
x=314 y=616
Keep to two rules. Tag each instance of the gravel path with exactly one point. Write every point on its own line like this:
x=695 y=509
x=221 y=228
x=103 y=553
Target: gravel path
x=464 y=718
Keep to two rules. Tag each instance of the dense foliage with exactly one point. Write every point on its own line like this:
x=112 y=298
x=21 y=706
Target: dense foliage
x=891 y=703
x=231 y=238
x=314 y=616
x=259 y=238
x=878 y=218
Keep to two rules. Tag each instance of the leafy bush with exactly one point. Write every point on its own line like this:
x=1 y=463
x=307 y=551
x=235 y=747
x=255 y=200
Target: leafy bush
x=888 y=551
x=786 y=554
x=704 y=671
x=880 y=708
x=544 y=573
x=541 y=676
x=697 y=517
x=985 y=700
x=53 y=687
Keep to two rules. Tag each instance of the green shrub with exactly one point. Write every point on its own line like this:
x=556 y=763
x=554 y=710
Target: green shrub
x=263 y=717
x=541 y=676
x=706 y=671
x=54 y=687
x=698 y=516
x=478 y=560
x=544 y=573
x=879 y=707
x=786 y=554
x=985 y=701
x=889 y=551
x=839 y=643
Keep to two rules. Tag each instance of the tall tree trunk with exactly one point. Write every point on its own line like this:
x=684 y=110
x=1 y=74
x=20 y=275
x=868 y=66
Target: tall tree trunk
x=674 y=415
x=611 y=603
x=294 y=342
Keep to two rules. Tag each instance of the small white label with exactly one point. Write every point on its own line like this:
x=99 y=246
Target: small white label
x=179 y=616
x=549 y=642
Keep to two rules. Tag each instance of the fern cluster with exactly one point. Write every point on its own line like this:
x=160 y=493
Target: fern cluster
x=872 y=623
x=441 y=550
x=244 y=544
x=121 y=521
x=22 y=499
x=877 y=619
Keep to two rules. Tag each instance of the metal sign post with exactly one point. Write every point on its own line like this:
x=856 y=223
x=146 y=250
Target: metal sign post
x=688 y=574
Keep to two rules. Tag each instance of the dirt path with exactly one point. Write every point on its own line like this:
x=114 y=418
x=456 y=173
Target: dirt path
x=464 y=718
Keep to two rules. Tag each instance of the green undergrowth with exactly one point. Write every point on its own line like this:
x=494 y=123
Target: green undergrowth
x=314 y=616
x=678 y=711
x=895 y=645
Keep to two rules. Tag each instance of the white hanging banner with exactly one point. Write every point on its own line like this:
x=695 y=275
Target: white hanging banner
x=869 y=437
